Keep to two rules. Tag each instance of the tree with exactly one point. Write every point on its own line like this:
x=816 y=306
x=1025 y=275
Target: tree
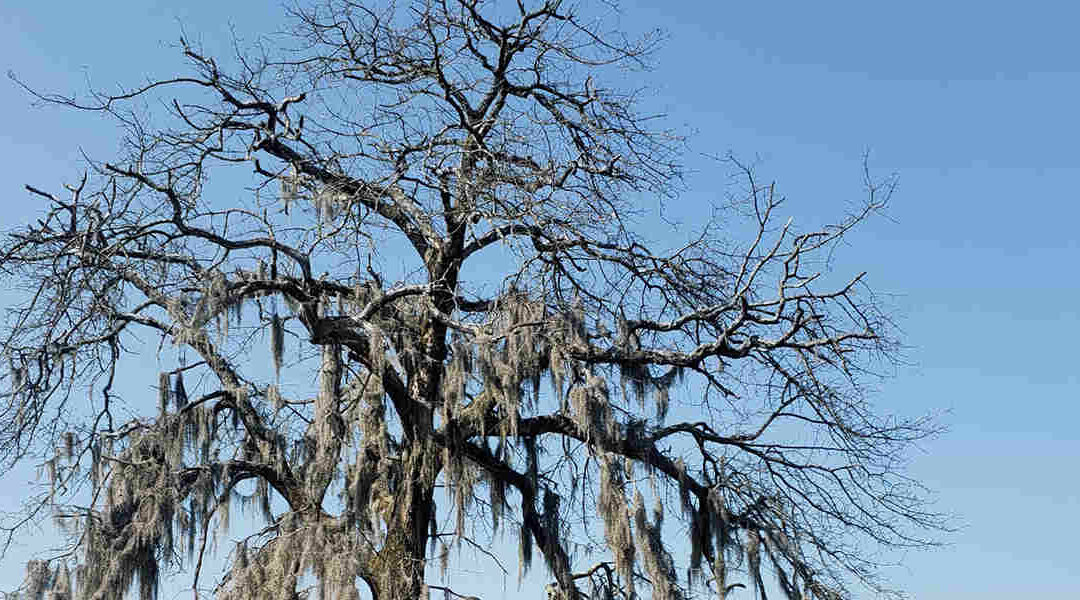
x=341 y=203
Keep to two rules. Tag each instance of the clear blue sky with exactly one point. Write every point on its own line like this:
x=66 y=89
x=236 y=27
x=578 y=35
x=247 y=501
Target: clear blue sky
x=974 y=104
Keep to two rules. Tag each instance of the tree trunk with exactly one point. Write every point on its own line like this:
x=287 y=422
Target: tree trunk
x=396 y=570
x=402 y=559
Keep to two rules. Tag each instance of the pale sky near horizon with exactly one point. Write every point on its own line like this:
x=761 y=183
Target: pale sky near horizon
x=972 y=104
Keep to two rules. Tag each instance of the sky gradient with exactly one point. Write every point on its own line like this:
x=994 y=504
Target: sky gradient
x=972 y=104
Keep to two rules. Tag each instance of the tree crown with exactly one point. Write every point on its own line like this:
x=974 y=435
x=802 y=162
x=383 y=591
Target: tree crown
x=311 y=240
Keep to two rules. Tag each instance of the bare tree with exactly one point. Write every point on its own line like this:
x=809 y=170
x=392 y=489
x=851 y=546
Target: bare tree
x=430 y=213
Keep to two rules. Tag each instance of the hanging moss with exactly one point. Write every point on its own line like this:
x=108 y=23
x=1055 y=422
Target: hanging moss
x=163 y=394
x=277 y=342
x=179 y=392
x=525 y=543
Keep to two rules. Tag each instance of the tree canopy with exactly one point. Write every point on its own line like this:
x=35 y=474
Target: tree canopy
x=399 y=265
